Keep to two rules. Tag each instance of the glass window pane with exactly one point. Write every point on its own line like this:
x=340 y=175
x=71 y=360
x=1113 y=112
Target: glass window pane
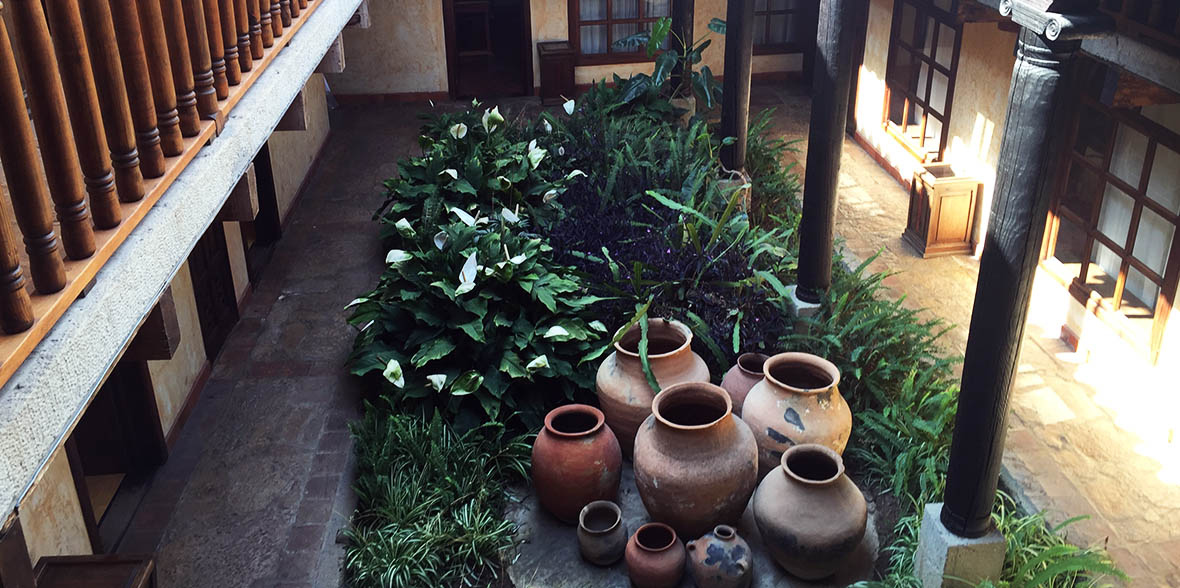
x=624 y=9
x=902 y=70
x=620 y=31
x=1153 y=240
x=778 y=28
x=938 y=91
x=592 y=9
x=1164 y=184
x=946 y=45
x=1115 y=219
x=759 y=5
x=1139 y=295
x=933 y=134
x=943 y=4
x=1126 y=160
x=928 y=37
x=781 y=4
x=897 y=103
x=1093 y=134
x=919 y=87
x=1103 y=270
x=760 y=30
x=909 y=17
x=657 y=8
x=1070 y=249
x=593 y=39
x=1081 y=188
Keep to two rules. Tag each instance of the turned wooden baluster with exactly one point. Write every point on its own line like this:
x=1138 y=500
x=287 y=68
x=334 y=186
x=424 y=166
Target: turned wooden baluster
x=255 y=20
x=182 y=66
x=303 y=4
x=112 y=98
x=229 y=39
x=198 y=50
x=73 y=59
x=139 y=87
x=293 y=6
x=30 y=198
x=268 y=31
x=55 y=137
x=215 y=48
x=276 y=18
x=16 y=310
x=285 y=12
x=151 y=25
x=242 y=22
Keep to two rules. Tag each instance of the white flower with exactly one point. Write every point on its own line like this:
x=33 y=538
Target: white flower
x=556 y=331
x=393 y=373
x=569 y=106
x=535 y=154
x=397 y=256
x=574 y=174
x=356 y=302
x=440 y=240
x=545 y=125
x=404 y=227
x=463 y=216
x=541 y=362
x=549 y=196
x=458 y=131
x=499 y=183
x=449 y=172
x=437 y=381
x=561 y=150
x=509 y=216
x=492 y=119
x=467 y=275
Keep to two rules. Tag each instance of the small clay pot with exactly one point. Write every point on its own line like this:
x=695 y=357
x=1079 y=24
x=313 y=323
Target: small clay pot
x=741 y=377
x=720 y=559
x=655 y=557
x=576 y=460
x=623 y=391
x=796 y=402
x=811 y=516
x=602 y=536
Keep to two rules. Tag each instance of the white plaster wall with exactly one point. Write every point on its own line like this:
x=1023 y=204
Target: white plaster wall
x=51 y=514
x=173 y=379
x=404 y=51
x=293 y=152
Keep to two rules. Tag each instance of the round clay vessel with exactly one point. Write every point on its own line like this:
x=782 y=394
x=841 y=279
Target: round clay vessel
x=720 y=559
x=797 y=401
x=576 y=460
x=811 y=516
x=602 y=536
x=696 y=464
x=741 y=377
x=623 y=391
x=655 y=557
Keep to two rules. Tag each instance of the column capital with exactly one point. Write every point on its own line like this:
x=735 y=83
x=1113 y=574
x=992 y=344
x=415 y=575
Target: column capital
x=1057 y=23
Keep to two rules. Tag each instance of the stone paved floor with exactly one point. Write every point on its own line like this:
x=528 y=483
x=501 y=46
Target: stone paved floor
x=1081 y=440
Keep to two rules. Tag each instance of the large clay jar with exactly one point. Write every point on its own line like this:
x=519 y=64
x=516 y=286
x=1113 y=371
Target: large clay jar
x=623 y=390
x=797 y=401
x=695 y=463
x=602 y=537
x=576 y=460
x=720 y=559
x=741 y=377
x=811 y=516
x=655 y=557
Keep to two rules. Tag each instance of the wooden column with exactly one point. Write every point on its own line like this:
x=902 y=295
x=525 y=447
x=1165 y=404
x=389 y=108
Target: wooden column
x=112 y=98
x=54 y=135
x=216 y=49
x=683 y=13
x=264 y=20
x=825 y=141
x=1032 y=134
x=229 y=38
x=139 y=87
x=242 y=22
x=276 y=18
x=151 y=23
x=198 y=49
x=735 y=93
x=30 y=202
x=77 y=79
x=182 y=66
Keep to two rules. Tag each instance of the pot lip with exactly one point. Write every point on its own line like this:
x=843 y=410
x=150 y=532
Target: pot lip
x=812 y=448
x=714 y=389
x=724 y=532
x=654 y=524
x=806 y=359
x=607 y=504
x=672 y=323
x=600 y=420
x=751 y=355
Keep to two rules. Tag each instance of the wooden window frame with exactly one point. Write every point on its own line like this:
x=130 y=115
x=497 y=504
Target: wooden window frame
x=574 y=10
x=923 y=9
x=809 y=12
x=1110 y=309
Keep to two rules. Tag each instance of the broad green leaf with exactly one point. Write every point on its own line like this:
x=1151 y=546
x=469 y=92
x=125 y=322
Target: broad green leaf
x=466 y=384
x=434 y=349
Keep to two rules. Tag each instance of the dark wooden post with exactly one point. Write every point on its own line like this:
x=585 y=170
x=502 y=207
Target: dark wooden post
x=182 y=66
x=30 y=201
x=198 y=50
x=276 y=18
x=264 y=21
x=294 y=7
x=683 y=13
x=151 y=24
x=216 y=49
x=285 y=12
x=139 y=87
x=229 y=39
x=825 y=146
x=735 y=96
x=242 y=21
x=54 y=136
x=303 y=4
x=73 y=59
x=1047 y=43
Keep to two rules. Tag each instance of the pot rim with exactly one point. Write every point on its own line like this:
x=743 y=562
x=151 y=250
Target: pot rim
x=675 y=325
x=656 y=525
x=600 y=420
x=597 y=504
x=724 y=532
x=752 y=355
x=802 y=358
x=812 y=448
x=706 y=387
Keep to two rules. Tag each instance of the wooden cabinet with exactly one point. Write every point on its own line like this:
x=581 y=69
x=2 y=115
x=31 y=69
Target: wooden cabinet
x=941 y=218
x=96 y=571
x=557 y=71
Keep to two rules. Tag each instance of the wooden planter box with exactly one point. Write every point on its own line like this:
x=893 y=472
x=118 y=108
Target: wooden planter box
x=557 y=71
x=941 y=218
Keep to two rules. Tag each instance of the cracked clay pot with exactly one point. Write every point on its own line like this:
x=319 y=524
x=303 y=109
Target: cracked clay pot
x=796 y=402
x=720 y=559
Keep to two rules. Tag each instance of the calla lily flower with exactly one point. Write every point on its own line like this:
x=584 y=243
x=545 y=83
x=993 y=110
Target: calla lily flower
x=535 y=154
x=492 y=119
x=549 y=196
x=450 y=172
x=393 y=373
x=467 y=275
x=463 y=216
x=569 y=106
x=437 y=381
x=397 y=256
x=574 y=174
x=545 y=125
x=458 y=131
x=440 y=240
x=404 y=228
x=556 y=331
x=509 y=216
x=541 y=362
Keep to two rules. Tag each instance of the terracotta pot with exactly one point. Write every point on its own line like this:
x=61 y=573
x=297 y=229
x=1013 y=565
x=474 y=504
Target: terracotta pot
x=576 y=460
x=797 y=401
x=695 y=463
x=811 y=516
x=741 y=377
x=655 y=557
x=623 y=391
x=720 y=559
x=602 y=536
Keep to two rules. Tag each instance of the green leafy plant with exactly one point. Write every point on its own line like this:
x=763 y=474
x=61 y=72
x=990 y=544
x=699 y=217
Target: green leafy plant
x=686 y=54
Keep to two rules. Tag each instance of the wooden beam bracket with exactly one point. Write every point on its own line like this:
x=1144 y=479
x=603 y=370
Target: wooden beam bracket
x=242 y=204
x=159 y=335
x=361 y=19
x=295 y=118
x=333 y=61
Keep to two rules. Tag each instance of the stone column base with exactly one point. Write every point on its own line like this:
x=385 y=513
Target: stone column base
x=945 y=559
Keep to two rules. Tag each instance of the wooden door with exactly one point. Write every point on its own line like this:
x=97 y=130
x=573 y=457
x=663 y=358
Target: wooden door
x=489 y=48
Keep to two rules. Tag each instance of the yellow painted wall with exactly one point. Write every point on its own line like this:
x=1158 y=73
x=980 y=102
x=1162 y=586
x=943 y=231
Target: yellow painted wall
x=403 y=51
x=293 y=152
x=173 y=379
x=51 y=515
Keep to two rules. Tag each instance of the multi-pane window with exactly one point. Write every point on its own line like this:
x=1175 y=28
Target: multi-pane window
x=784 y=26
x=1116 y=212
x=920 y=77
x=595 y=25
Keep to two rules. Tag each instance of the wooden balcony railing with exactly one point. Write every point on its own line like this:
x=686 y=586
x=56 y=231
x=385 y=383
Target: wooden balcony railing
x=102 y=104
x=1155 y=22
